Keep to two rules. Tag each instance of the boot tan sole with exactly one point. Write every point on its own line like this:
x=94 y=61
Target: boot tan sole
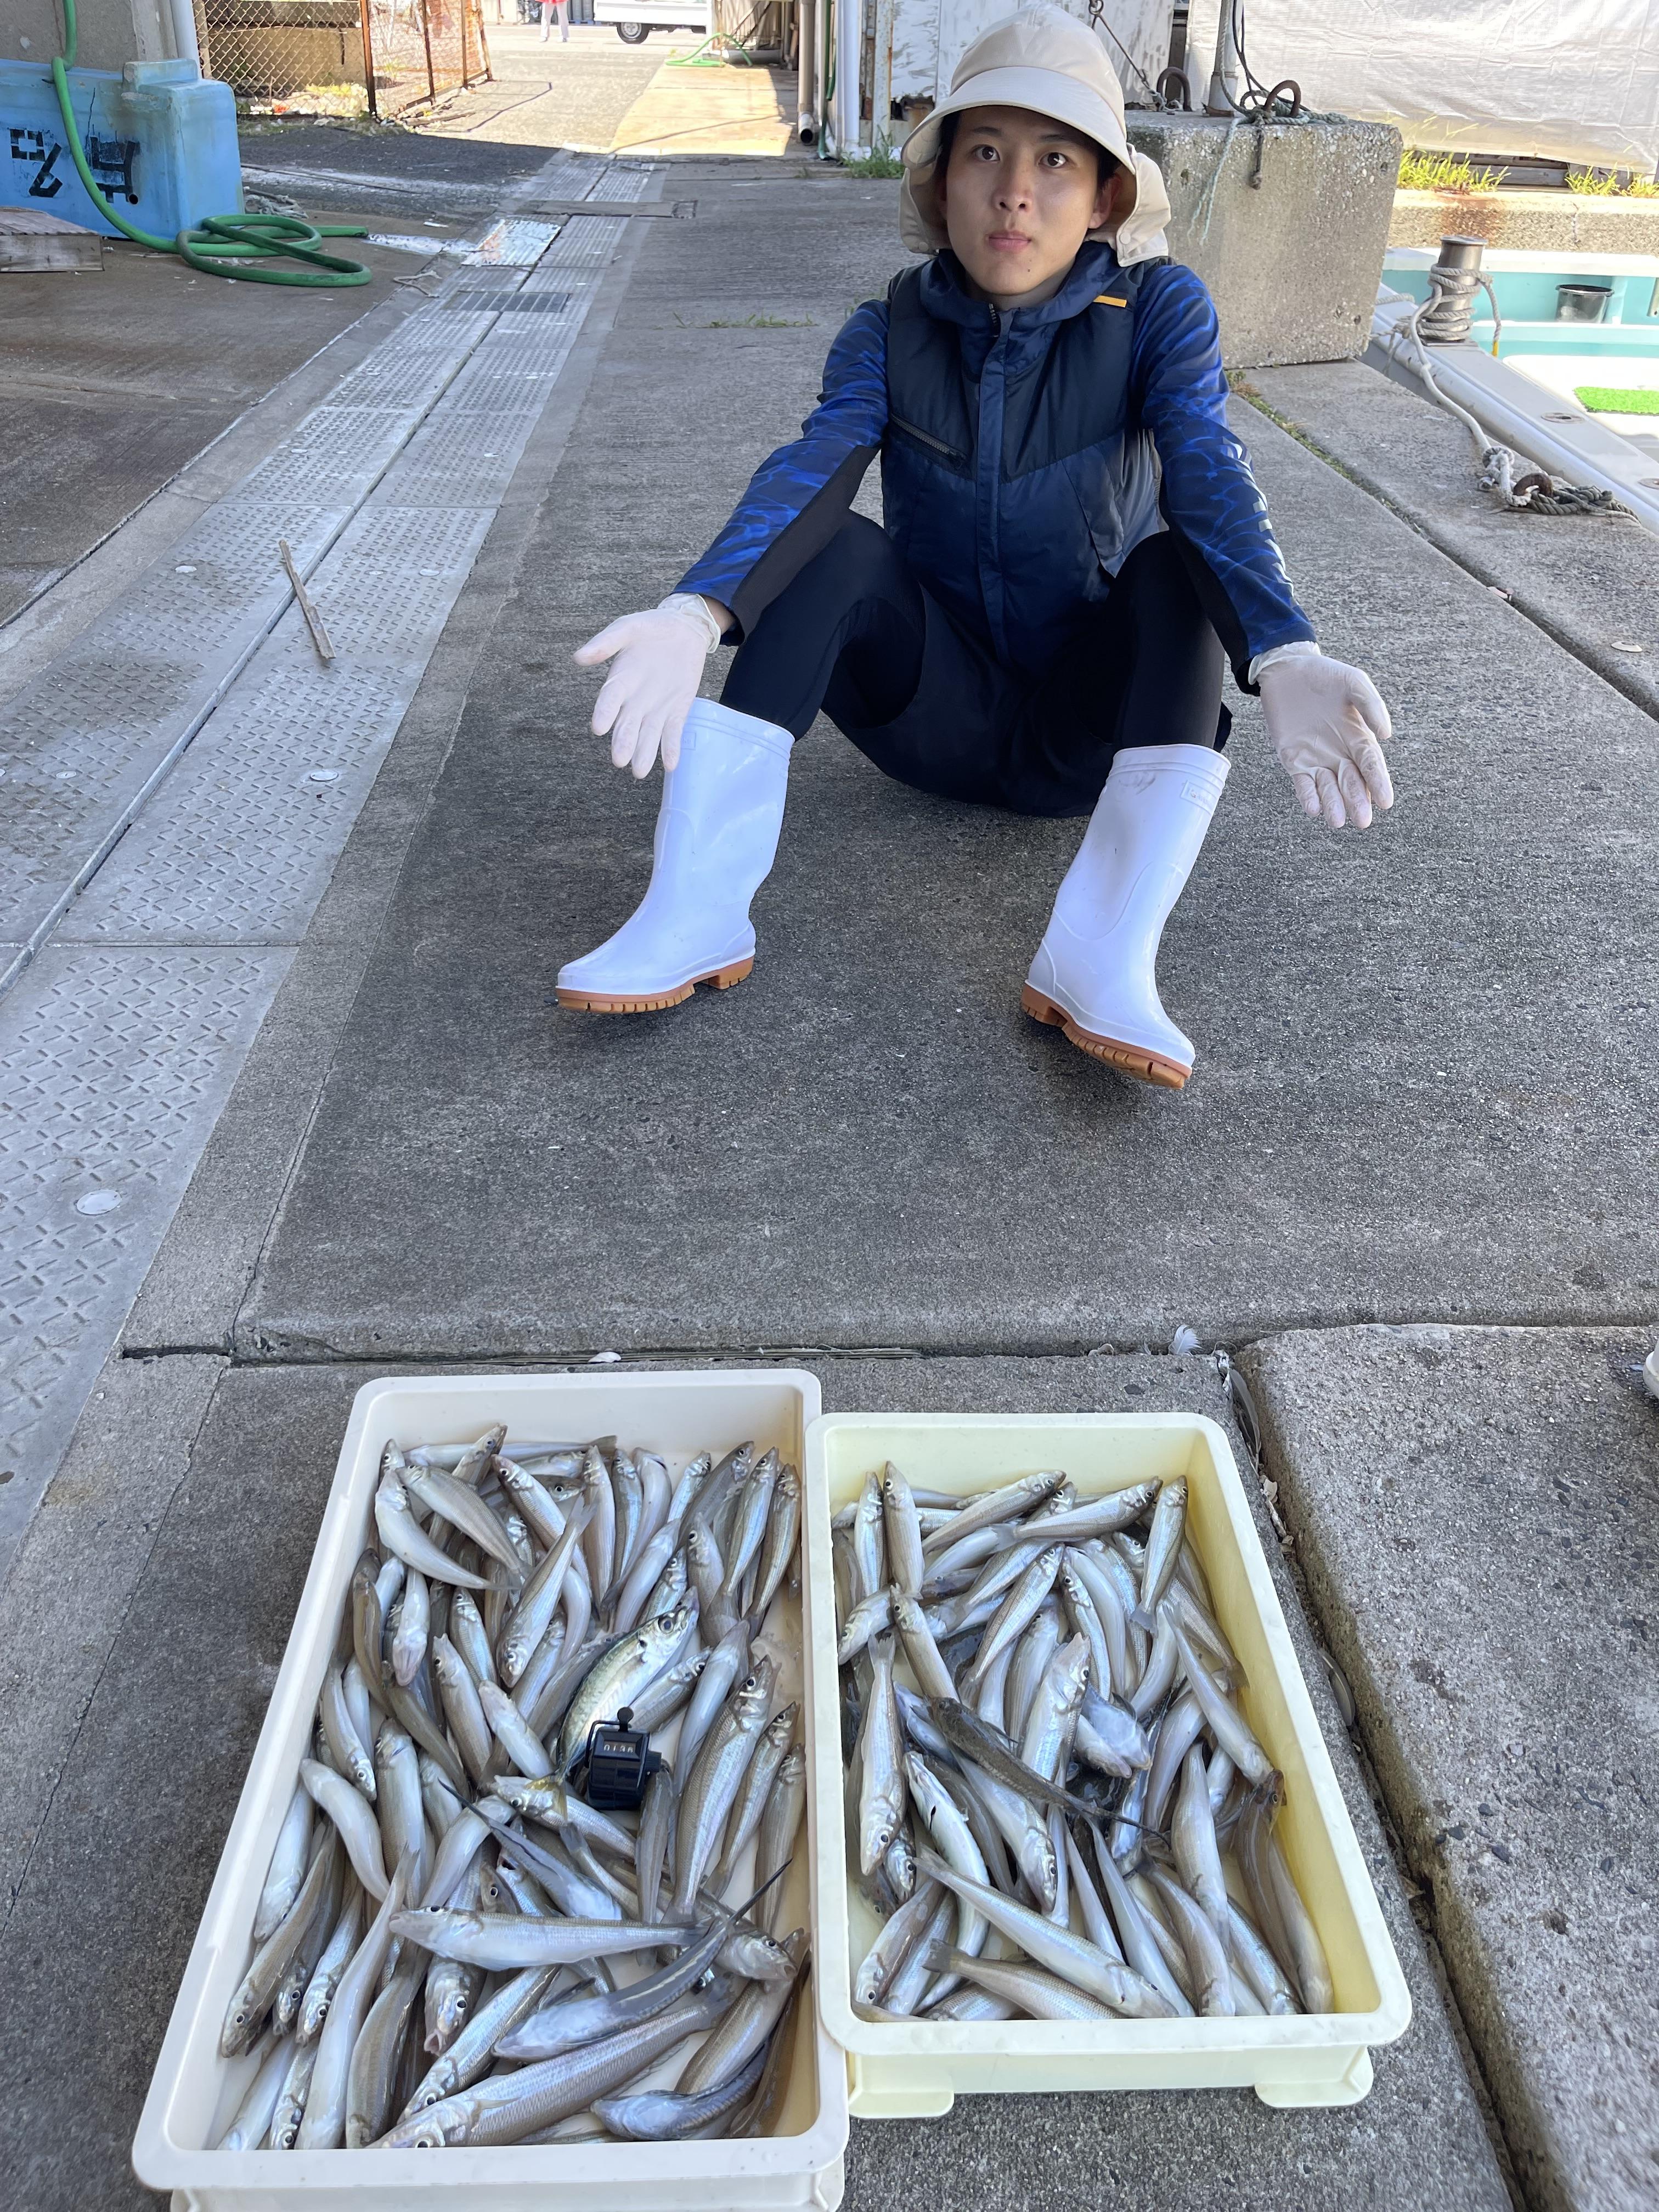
x=1128 y=1059
x=622 y=1002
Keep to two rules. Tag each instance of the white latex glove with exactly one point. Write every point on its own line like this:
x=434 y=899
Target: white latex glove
x=657 y=659
x=1327 y=722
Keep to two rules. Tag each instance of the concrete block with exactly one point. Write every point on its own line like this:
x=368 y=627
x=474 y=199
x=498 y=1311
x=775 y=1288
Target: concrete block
x=1474 y=1512
x=1536 y=222
x=1286 y=225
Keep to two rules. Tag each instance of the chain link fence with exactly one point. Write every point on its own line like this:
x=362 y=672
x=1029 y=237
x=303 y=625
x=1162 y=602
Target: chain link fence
x=341 y=57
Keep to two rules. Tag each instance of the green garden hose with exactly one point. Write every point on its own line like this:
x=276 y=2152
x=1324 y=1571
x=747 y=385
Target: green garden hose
x=224 y=244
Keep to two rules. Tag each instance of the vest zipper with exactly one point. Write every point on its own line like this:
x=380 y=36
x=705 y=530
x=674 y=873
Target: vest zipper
x=953 y=453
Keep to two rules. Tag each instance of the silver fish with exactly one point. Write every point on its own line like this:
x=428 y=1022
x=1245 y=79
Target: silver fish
x=1011 y=1502
x=402 y=1819
x=505 y=1942
x=1046 y=1747
x=630 y=1667
x=1073 y=1958
x=926 y=1660
x=452 y=1985
x=324 y=2126
x=693 y=1476
x=289 y=2109
x=474 y=2049
x=462 y=1708
x=467 y=1633
x=1197 y=1853
x=375 y=2054
x=414 y=1620
x=1042 y=1996
x=1206 y=1955
x=575 y=2021
x=541 y=1511
x=902 y=1530
x=534 y=1613
x=881 y=1794
x=400 y=1532
x=750 y=1806
x=625 y=1602
x=628 y=1492
x=898 y=1934
x=952 y=1837
x=727 y=1664
x=869 y=1539
x=668 y=2116
x=745 y=2029
x=599 y=1534
x=351 y=1755
x=289 y=1857
x=712 y=1786
x=1163 y=1543
x=336 y=1957
x=508 y=2107
x=514 y=1734
x=754 y=1509
x=353 y=1820
x=1226 y=1723
x=1017 y=1609
x=786 y=1807
x=871 y=1616
x=251 y=2122
x=782 y=1535
x=658 y=1816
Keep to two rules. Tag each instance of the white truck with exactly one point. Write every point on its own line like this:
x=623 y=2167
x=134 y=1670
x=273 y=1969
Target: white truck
x=636 y=20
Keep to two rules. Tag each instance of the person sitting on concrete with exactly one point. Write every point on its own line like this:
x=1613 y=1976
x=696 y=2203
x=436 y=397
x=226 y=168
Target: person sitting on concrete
x=1073 y=544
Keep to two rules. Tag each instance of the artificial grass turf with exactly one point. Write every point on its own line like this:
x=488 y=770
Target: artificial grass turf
x=1614 y=399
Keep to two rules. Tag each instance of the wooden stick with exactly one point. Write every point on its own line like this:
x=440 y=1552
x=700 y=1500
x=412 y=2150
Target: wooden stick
x=313 y=620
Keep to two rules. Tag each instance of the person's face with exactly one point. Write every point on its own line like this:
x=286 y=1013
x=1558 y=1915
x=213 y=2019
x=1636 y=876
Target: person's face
x=1020 y=196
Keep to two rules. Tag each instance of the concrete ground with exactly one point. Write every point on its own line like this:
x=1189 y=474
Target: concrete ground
x=1407 y=1186
x=112 y=381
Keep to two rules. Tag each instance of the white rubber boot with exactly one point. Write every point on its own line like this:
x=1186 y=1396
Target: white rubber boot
x=1096 y=970
x=717 y=834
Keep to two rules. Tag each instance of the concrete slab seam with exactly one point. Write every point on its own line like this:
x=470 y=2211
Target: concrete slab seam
x=1523 y=601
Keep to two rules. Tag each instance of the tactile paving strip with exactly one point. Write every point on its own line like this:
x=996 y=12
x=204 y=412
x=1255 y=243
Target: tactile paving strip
x=238 y=845
x=119 y=1044
x=84 y=743
x=113 y=1065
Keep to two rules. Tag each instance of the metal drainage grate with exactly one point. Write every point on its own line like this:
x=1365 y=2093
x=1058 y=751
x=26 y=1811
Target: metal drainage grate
x=515 y=303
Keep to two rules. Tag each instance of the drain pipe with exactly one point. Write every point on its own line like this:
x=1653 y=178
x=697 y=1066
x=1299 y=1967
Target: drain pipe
x=849 y=57
x=182 y=16
x=806 y=59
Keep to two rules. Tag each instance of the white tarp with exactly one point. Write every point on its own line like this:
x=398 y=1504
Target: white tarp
x=930 y=37
x=1572 y=80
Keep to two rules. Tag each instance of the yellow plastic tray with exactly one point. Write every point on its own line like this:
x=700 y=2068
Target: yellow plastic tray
x=900 y=2071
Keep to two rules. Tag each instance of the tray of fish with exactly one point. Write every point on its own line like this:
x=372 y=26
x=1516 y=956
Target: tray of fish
x=515 y=1904
x=1074 y=1823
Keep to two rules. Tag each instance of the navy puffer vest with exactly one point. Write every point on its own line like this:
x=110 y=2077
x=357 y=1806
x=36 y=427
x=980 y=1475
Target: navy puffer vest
x=1012 y=479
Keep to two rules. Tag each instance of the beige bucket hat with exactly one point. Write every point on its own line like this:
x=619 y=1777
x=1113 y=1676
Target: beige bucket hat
x=1041 y=58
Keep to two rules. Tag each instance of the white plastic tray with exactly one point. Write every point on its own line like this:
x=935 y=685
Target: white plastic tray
x=194 y=2091
x=911 y=2069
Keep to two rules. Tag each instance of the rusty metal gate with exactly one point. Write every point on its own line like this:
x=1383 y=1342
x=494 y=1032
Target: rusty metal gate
x=341 y=57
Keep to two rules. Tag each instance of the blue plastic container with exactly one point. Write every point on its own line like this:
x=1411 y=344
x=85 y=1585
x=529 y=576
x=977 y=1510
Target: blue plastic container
x=160 y=138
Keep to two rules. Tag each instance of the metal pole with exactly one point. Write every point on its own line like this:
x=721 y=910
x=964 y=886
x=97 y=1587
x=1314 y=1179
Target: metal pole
x=426 y=38
x=368 y=55
x=881 y=85
x=806 y=58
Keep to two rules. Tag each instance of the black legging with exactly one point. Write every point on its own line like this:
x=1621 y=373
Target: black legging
x=856 y=634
